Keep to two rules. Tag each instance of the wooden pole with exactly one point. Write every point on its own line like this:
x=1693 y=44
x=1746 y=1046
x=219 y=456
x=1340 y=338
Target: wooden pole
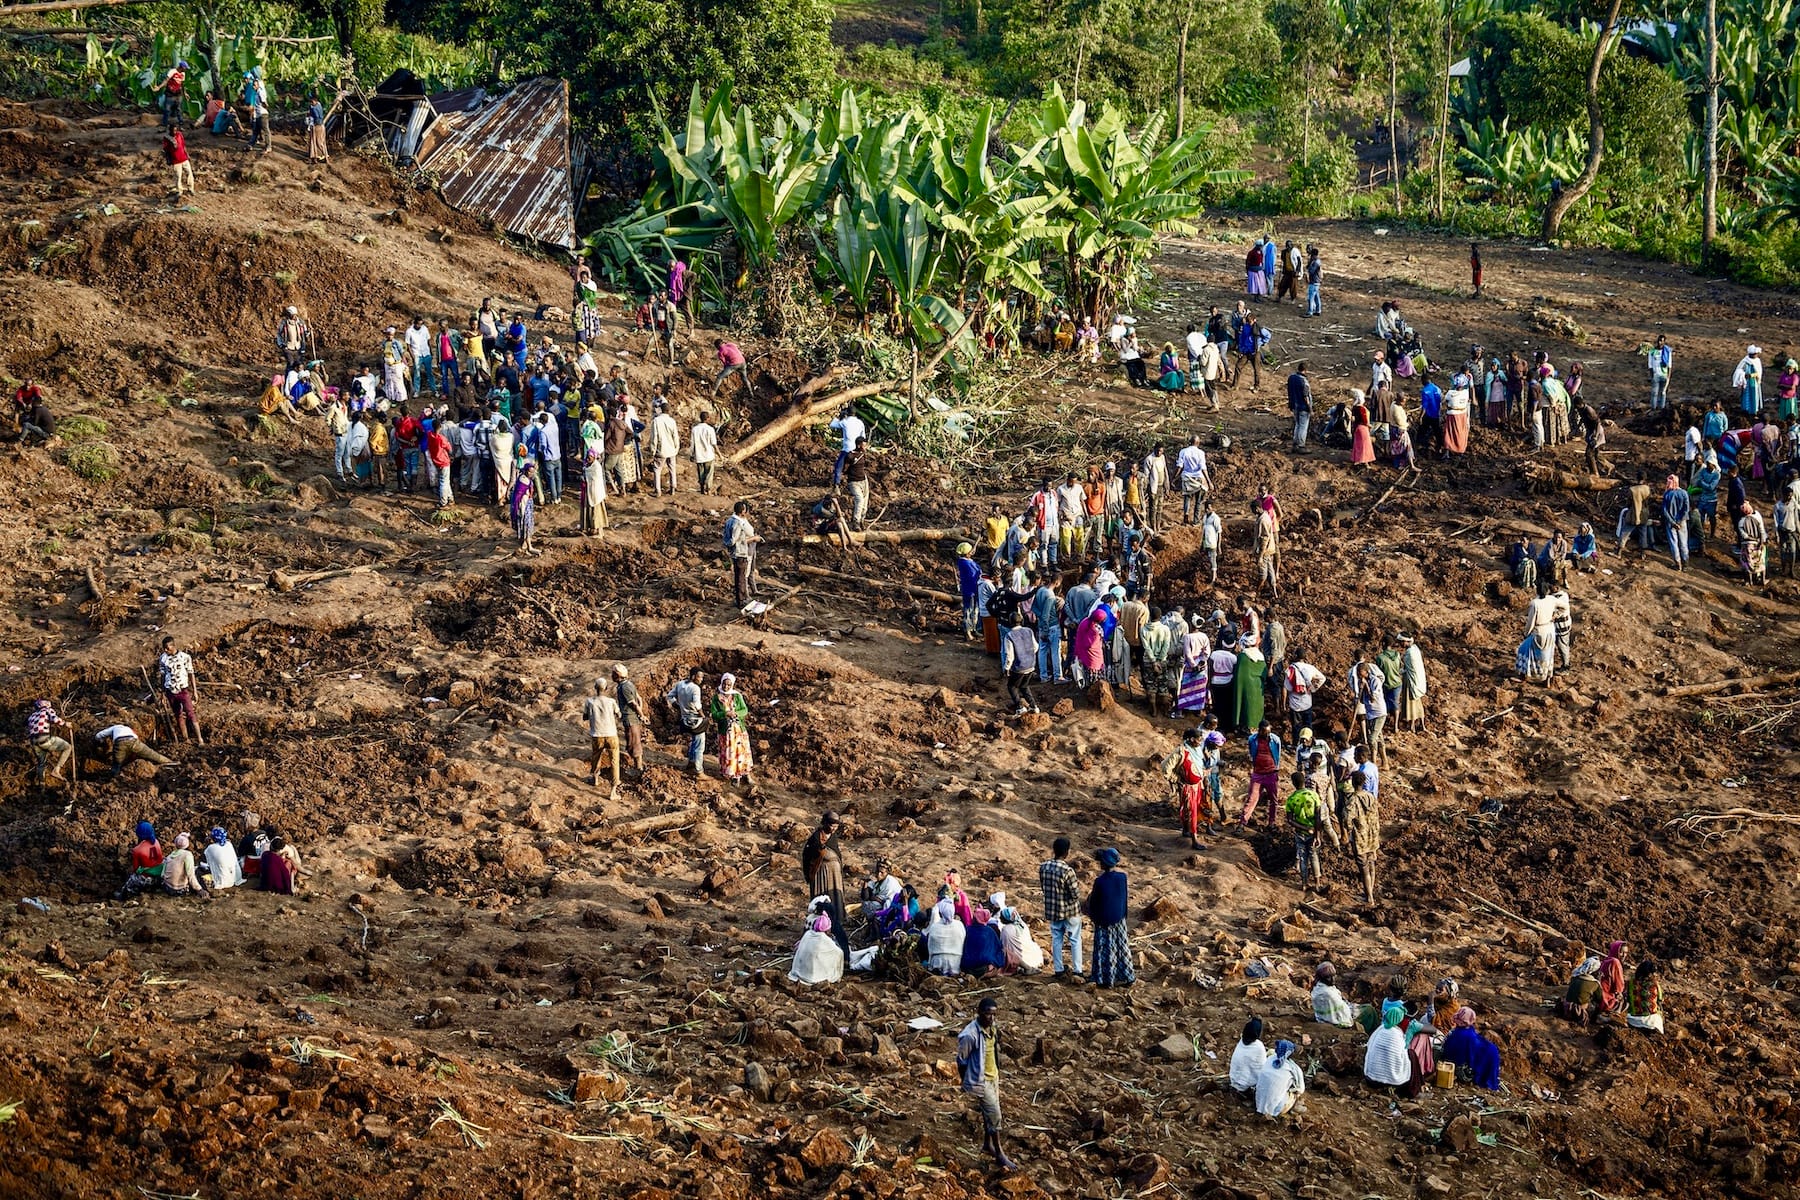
x=884 y=537
x=794 y=418
x=9 y=10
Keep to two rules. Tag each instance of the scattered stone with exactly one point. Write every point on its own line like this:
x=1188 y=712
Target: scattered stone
x=1062 y=708
x=1435 y=1186
x=1148 y=1171
x=1163 y=908
x=1100 y=695
x=1459 y=1134
x=1176 y=1047
x=825 y=1151
x=757 y=1081
x=1033 y=722
x=653 y=910
x=945 y=699
x=599 y=1085
x=462 y=691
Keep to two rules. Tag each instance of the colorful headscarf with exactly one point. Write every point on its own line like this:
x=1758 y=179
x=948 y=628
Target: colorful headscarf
x=1392 y=1013
x=218 y=836
x=1283 y=1051
x=146 y=832
x=183 y=841
x=1107 y=858
x=1464 y=1018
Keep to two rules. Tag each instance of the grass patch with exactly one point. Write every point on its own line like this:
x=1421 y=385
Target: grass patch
x=184 y=541
x=81 y=428
x=96 y=462
x=267 y=428
x=9 y=1110
x=287 y=278
x=50 y=548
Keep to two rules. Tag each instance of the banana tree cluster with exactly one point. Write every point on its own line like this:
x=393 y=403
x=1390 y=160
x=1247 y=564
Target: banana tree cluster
x=935 y=231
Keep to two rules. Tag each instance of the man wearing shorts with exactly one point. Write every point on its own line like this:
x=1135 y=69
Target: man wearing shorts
x=175 y=675
x=978 y=1058
x=1265 y=774
x=602 y=715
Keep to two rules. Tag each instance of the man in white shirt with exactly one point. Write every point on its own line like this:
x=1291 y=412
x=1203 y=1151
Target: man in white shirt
x=175 y=676
x=1195 y=482
x=851 y=428
x=1212 y=540
x=601 y=712
x=418 y=346
x=665 y=444
x=740 y=541
x=704 y=440
x=1562 y=620
x=1071 y=513
x=1299 y=682
x=222 y=861
x=1196 y=342
x=123 y=744
x=1153 y=476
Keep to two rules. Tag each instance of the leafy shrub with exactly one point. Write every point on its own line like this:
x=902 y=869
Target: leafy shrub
x=80 y=428
x=95 y=462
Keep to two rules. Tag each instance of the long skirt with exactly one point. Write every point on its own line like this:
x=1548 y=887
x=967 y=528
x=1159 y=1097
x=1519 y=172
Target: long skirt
x=1224 y=702
x=1191 y=697
x=1456 y=432
x=1118 y=660
x=1534 y=659
x=1256 y=284
x=734 y=752
x=1195 y=813
x=1412 y=705
x=1362 y=445
x=1112 y=956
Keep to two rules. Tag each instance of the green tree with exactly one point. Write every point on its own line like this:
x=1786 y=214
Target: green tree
x=1311 y=32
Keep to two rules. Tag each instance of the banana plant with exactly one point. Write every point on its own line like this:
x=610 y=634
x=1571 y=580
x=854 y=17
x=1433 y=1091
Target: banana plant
x=1517 y=167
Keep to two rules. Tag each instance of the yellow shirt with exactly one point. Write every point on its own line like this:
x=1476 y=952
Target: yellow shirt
x=996 y=532
x=990 y=1065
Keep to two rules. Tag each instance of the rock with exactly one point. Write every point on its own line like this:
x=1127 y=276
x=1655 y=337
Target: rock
x=1033 y=722
x=462 y=691
x=1459 y=1134
x=1290 y=934
x=1100 y=695
x=805 y=1028
x=600 y=1085
x=945 y=699
x=1342 y=1058
x=1176 y=1048
x=825 y=1151
x=653 y=910
x=1432 y=1185
x=886 y=1053
x=1148 y=1171
x=1062 y=708
x=1040 y=1054
x=757 y=1081
x=832 y=1048
x=1162 y=909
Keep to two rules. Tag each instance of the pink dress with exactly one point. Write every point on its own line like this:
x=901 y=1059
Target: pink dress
x=1362 y=443
x=1090 y=647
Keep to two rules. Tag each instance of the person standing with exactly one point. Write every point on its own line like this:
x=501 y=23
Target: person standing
x=315 y=131
x=1187 y=776
x=256 y=99
x=1062 y=909
x=601 y=711
x=978 y=1060
x=175 y=153
x=1109 y=903
x=180 y=687
x=1212 y=539
x=1154 y=475
x=856 y=475
x=1299 y=394
x=1195 y=482
x=1748 y=380
x=1315 y=273
x=1676 y=506
x=1302 y=809
x=1021 y=654
x=1300 y=679
x=1247 y=348
x=1475 y=266
x=418 y=350
x=168 y=94
x=851 y=430
x=703 y=439
x=730 y=713
x=634 y=715
x=1291 y=263
x=1362 y=828
x=665 y=444
x=1412 y=684
x=689 y=702
x=1593 y=431
x=822 y=870
x=1659 y=360
x=741 y=539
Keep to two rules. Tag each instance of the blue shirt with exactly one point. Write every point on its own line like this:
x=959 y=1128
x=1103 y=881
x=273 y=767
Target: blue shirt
x=540 y=390
x=1299 y=393
x=1080 y=602
x=1431 y=399
x=968 y=577
x=1675 y=506
x=1107 y=902
x=1713 y=428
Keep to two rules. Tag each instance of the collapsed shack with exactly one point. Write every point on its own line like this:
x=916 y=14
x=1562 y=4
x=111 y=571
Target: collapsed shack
x=512 y=159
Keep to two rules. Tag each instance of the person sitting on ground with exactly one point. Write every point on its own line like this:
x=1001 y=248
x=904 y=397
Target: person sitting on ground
x=1477 y=1059
x=146 y=863
x=1643 y=999
x=982 y=954
x=1248 y=1057
x=817 y=956
x=881 y=889
x=1385 y=1063
x=280 y=866
x=902 y=912
x=1612 y=979
x=221 y=861
x=1581 y=1001
x=1280 y=1082
x=1585 y=550
x=944 y=939
x=951 y=890
x=123 y=745
x=252 y=846
x=1329 y=1005
x=1023 y=954
x=181 y=876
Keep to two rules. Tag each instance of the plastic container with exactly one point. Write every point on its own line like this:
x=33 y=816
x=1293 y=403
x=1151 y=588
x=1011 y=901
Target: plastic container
x=1446 y=1076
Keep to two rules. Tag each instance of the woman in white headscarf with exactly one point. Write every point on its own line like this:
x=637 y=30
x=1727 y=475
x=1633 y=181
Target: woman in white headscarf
x=944 y=939
x=817 y=956
x=731 y=714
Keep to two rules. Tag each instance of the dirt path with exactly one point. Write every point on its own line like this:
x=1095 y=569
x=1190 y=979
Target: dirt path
x=611 y=1010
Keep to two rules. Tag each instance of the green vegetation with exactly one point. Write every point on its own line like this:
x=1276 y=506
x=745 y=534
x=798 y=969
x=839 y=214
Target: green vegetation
x=80 y=428
x=96 y=462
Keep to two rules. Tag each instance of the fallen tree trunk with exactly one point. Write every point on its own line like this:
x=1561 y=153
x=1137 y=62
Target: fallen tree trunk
x=643 y=825
x=1539 y=926
x=859 y=581
x=819 y=383
x=884 y=537
x=1725 y=685
x=794 y=418
x=1568 y=480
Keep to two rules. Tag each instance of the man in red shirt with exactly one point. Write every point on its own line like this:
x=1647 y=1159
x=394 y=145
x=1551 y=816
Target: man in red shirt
x=731 y=362
x=24 y=400
x=437 y=451
x=175 y=151
x=408 y=440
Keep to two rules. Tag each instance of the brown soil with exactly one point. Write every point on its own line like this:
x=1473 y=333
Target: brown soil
x=476 y=932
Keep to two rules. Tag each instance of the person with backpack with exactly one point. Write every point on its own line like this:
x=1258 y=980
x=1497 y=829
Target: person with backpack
x=175 y=153
x=168 y=94
x=292 y=338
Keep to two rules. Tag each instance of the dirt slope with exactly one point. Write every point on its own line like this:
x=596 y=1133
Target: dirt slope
x=609 y=1009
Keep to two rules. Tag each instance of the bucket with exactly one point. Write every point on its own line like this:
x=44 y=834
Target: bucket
x=1446 y=1075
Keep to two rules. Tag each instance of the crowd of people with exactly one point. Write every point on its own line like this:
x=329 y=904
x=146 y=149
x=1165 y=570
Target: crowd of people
x=260 y=858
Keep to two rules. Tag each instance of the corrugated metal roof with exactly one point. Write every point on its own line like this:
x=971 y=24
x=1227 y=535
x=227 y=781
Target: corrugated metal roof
x=510 y=161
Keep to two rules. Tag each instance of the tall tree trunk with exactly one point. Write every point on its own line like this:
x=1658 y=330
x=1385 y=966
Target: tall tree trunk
x=1443 y=138
x=1561 y=202
x=1187 y=21
x=1306 y=94
x=1709 y=194
x=1080 y=53
x=1394 y=112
